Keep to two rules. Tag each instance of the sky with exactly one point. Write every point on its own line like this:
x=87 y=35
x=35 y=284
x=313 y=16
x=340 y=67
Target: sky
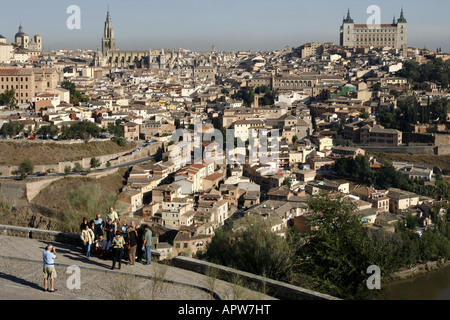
x=230 y=25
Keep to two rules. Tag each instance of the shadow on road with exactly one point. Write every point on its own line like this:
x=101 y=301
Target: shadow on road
x=20 y=281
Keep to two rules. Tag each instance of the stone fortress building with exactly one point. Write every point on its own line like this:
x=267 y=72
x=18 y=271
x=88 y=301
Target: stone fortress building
x=110 y=56
x=394 y=35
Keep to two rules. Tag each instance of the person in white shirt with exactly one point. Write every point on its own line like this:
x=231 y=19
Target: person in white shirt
x=113 y=216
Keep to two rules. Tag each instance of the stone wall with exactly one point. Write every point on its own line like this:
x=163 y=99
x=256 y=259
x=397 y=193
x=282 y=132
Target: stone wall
x=273 y=288
x=403 y=149
x=414 y=149
x=44 y=235
x=443 y=150
x=13 y=192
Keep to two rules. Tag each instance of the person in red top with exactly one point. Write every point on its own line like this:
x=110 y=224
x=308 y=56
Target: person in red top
x=118 y=244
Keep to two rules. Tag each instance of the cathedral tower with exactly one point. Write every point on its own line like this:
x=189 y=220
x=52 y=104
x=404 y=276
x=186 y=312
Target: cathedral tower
x=108 y=40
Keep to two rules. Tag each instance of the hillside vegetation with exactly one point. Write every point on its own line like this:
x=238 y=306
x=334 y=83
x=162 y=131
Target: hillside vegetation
x=14 y=153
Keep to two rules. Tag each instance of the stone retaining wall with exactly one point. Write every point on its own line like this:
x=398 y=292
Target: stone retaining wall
x=273 y=288
x=45 y=235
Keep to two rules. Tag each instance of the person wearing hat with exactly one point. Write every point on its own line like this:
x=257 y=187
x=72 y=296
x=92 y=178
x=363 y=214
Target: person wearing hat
x=118 y=244
x=49 y=257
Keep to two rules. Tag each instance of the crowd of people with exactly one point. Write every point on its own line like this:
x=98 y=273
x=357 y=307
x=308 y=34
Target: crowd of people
x=116 y=240
x=124 y=241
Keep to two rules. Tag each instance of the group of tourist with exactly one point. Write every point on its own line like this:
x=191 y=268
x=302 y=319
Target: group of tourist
x=122 y=240
x=129 y=241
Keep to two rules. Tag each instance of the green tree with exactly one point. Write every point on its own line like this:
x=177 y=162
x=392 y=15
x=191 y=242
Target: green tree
x=77 y=167
x=254 y=248
x=440 y=109
x=11 y=129
x=341 y=248
x=75 y=96
x=95 y=163
x=26 y=168
x=8 y=98
x=50 y=131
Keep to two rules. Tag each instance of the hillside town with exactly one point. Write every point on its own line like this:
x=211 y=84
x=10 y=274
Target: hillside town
x=320 y=102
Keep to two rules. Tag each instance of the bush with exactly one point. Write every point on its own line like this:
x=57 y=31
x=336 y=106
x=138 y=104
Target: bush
x=78 y=167
x=85 y=201
x=26 y=168
x=95 y=163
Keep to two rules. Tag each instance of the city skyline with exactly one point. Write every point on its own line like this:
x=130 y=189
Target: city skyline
x=228 y=25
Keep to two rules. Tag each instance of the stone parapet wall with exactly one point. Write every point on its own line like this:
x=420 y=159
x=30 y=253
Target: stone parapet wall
x=44 y=235
x=273 y=288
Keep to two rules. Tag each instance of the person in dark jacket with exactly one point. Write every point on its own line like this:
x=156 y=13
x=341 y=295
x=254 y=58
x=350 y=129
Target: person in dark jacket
x=132 y=242
x=140 y=241
x=84 y=224
x=110 y=232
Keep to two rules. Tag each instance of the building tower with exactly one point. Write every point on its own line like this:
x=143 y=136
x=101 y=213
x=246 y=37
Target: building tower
x=347 y=30
x=402 y=34
x=108 y=40
x=22 y=39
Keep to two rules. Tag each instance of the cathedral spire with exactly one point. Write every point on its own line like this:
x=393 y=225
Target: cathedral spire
x=108 y=41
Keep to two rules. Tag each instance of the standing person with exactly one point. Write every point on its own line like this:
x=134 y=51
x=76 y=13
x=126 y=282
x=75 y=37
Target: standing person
x=132 y=242
x=49 y=257
x=113 y=216
x=140 y=241
x=110 y=230
x=99 y=226
x=118 y=243
x=84 y=224
x=147 y=245
x=124 y=229
x=88 y=237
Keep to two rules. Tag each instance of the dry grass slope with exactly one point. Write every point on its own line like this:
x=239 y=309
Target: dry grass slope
x=14 y=153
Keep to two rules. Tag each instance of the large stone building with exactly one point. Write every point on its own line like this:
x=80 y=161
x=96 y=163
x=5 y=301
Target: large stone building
x=394 y=35
x=28 y=82
x=110 y=56
x=6 y=50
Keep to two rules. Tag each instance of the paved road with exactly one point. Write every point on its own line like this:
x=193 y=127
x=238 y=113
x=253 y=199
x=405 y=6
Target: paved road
x=21 y=277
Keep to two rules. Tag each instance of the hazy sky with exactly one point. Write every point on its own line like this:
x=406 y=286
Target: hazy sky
x=230 y=25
